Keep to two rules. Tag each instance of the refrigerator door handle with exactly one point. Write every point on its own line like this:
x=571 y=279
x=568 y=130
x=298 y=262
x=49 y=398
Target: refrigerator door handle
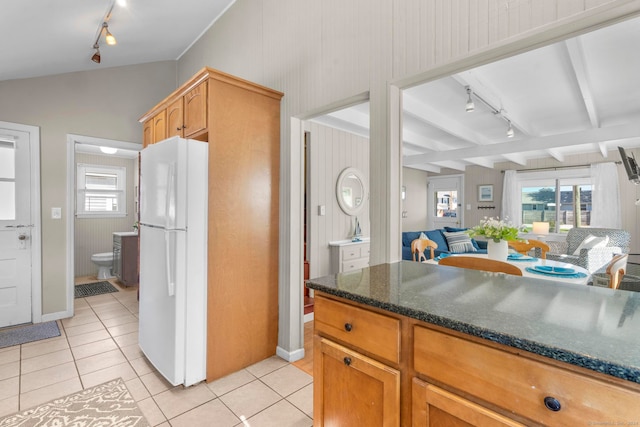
x=171 y=285
x=170 y=199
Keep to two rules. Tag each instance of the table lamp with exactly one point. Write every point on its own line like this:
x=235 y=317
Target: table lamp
x=540 y=229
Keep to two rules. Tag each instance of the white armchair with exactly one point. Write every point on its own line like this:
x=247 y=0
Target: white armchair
x=592 y=259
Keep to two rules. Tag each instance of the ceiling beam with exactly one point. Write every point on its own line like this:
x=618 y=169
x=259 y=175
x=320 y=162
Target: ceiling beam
x=576 y=57
x=592 y=136
x=556 y=154
x=429 y=114
x=421 y=143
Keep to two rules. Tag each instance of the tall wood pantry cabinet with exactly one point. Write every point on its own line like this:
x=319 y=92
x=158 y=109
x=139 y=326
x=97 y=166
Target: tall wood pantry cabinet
x=241 y=122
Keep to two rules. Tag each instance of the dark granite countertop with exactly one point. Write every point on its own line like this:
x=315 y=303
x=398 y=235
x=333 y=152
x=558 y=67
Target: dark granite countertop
x=595 y=328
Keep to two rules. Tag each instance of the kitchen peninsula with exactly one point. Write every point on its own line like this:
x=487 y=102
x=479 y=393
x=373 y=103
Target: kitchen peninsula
x=416 y=344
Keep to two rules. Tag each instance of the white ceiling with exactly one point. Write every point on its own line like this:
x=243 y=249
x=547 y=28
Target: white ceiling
x=46 y=37
x=577 y=96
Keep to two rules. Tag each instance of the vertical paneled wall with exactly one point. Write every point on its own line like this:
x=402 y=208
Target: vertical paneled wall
x=330 y=152
x=95 y=235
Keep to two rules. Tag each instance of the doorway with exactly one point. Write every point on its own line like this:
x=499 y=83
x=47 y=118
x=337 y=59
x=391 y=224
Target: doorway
x=445 y=198
x=20 y=254
x=96 y=232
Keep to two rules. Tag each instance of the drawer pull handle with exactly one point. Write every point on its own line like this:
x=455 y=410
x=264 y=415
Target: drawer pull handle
x=552 y=404
x=348 y=327
x=347 y=361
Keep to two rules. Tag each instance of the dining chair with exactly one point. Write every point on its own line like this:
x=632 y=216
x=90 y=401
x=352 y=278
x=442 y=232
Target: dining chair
x=480 y=263
x=418 y=246
x=616 y=269
x=524 y=246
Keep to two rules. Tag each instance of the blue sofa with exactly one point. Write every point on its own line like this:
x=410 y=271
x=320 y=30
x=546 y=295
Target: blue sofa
x=438 y=237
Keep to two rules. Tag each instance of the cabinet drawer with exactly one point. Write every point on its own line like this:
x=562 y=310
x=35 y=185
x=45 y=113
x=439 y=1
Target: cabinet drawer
x=355 y=264
x=351 y=252
x=375 y=333
x=520 y=385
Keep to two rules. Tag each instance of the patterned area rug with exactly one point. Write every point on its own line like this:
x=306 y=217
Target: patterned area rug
x=28 y=333
x=92 y=289
x=108 y=404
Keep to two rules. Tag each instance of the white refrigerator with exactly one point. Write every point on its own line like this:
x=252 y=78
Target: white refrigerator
x=173 y=258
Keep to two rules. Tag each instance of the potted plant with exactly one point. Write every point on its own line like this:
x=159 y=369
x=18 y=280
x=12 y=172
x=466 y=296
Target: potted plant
x=498 y=232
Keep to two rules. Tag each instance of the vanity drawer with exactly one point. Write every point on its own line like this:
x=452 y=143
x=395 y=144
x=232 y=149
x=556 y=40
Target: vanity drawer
x=351 y=253
x=520 y=385
x=375 y=333
x=355 y=264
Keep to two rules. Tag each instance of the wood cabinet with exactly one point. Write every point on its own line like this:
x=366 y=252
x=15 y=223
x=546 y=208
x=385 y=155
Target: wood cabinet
x=125 y=258
x=182 y=114
x=241 y=122
x=348 y=256
x=447 y=378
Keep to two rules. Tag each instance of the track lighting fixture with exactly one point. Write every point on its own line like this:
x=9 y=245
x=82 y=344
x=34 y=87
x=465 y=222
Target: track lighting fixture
x=470 y=104
x=510 y=132
x=108 y=37
x=471 y=107
x=96 y=56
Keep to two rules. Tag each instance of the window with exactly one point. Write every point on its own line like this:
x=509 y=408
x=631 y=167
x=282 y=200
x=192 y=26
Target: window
x=7 y=181
x=101 y=191
x=564 y=202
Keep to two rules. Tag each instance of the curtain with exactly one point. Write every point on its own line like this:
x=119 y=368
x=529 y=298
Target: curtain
x=605 y=197
x=511 y=199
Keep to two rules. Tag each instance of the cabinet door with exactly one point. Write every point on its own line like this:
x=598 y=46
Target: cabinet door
x=435 y=407
x=195 y=110
x=160 y=126
x=351 y=389
x=175 y=122
x=147 y=133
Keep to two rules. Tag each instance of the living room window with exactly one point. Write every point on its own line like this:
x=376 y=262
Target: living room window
x=563 y=202
x=101 y=191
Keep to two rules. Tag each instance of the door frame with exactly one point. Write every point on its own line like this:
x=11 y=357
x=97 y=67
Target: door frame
x=430 y=217
x=71 y=200
x=36 y=218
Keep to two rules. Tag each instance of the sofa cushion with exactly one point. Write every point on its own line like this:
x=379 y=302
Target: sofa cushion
x=409 y=236
x=459 y=242
x=591 y=242
x=454 y=229
x=438 y=237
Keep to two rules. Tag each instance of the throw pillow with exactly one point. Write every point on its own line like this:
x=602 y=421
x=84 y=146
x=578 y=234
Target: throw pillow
x=459 y=242
x=454 y=229
x=591 y=242
x=423 y=236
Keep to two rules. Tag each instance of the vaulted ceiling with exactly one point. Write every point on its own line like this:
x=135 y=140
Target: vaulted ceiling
x=580 y=95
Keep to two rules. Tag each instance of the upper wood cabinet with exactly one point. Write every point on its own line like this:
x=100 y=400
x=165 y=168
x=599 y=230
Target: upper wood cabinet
x=160 y=126
x=195 y=110
x=175 y=123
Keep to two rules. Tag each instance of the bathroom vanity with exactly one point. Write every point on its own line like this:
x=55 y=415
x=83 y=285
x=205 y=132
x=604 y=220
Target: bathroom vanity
x=409 y=343
x=125 y=257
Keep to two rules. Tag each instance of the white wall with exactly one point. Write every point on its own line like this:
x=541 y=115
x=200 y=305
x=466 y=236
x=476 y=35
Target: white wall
x=415 y=202
x=330 y=152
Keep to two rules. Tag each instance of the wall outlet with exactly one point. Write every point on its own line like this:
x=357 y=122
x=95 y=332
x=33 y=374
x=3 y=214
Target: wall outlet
x=322 y=210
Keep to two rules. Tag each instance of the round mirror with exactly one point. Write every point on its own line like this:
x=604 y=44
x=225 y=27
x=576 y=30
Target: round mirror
x=351 y=191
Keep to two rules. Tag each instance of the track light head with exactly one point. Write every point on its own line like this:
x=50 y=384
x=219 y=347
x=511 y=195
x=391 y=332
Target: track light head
x=108 y=37
x=470 y=105
x=510 y=132
x=96 y=56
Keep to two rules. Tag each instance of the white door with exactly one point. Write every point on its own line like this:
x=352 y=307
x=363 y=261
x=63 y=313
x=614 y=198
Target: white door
x=445 y=201
x=16 y=226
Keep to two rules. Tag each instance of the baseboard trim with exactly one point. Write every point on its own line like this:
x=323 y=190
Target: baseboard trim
x=55 y=316
x=308 y=317
x=290 y=356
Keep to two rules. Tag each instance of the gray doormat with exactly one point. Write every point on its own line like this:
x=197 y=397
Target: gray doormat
x=91 y=289
x=28 y=333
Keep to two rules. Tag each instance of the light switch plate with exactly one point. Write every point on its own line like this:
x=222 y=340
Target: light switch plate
x=56 y=213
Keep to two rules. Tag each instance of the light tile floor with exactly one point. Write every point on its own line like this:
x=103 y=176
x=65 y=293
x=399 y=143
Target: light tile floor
x=100 y=342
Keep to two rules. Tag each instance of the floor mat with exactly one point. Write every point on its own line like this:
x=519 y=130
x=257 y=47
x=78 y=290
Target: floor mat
x=108 y=404
x=91 y=289
x=28 y=333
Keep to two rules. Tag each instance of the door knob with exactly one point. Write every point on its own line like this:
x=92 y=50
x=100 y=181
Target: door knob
x=22 y=237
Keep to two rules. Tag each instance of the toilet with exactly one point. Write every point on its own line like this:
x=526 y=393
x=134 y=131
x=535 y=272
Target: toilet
x=104 y=261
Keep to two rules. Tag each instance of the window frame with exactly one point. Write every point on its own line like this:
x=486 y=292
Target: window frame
x=82 y=169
